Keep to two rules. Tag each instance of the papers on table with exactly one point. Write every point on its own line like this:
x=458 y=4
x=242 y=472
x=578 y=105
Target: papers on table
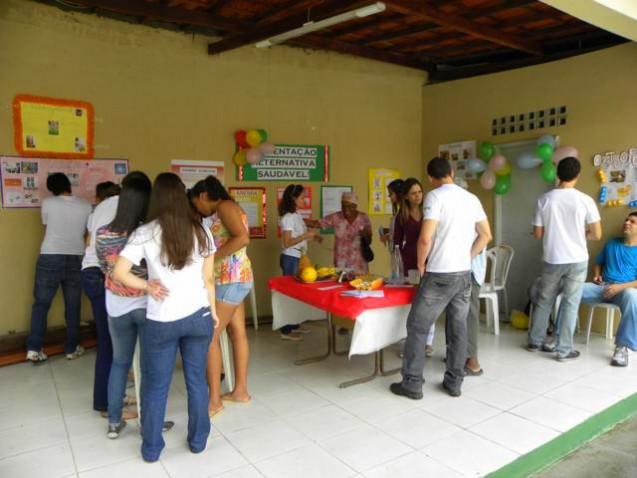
x=362 y=294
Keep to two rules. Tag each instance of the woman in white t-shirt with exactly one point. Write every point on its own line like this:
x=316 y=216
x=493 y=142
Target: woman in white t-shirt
x=179 y=255
x=294 y=237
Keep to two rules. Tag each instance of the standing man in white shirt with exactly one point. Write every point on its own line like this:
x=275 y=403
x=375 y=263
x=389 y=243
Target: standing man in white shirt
x=564 y=219
x=59 y=263
x=454 y=230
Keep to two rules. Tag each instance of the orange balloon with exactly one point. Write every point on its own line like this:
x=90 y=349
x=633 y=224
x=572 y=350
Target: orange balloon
x=253 y=137
x=240 y=158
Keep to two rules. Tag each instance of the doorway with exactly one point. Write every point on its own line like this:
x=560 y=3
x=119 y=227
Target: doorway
x=513 y=214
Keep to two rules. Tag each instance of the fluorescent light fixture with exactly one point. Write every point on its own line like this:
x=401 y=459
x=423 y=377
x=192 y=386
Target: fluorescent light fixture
x=312 y=26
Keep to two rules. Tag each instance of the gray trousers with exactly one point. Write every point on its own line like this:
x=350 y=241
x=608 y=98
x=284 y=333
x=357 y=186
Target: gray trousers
x=473 y=320
x=438 y=292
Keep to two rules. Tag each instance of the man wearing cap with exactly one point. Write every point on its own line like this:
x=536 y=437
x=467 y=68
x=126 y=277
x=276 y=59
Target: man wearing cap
x=454 y=230
x=350 y=227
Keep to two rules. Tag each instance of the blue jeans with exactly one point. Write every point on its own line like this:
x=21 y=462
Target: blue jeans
x=289 y=266
x=93 y=285
x=159 y=344
x=627 y=302
x=52 y=271
x=124 y=331
x=569 y=278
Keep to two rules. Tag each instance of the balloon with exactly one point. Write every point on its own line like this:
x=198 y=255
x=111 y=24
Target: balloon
x=548 y=172
x=497 y=162
x=504 y=171
x=547 y=139
x=239 y=158
x=564 y=152
x=240 y=138
x=528 y=161
x=264 y=135
x=503 y=185
x=487 y=181
x=266 y=148
x=487 y=150
x=544 y=151
x=475 y=165
x=253 y=137
x=253 y=156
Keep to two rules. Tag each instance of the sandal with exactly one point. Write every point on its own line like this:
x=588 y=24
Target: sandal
x=228 y=397
x=216 y=411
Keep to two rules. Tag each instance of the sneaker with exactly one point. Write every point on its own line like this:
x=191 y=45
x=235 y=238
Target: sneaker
x=77 y=353
x=302 y=330
x=550 y=348
x=115 y=429
x=573 y=354
x=429 y=351
x=454 y=392
x=398 y=389
x=620 y=357
x=36 y=356
x=533 y=347
x=294 y=337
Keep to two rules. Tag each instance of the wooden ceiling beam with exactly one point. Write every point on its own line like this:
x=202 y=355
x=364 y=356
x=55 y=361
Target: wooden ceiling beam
x=290 y=7
x=255 y=34
x=165 y=13
x=429 y=13
x=321 y=42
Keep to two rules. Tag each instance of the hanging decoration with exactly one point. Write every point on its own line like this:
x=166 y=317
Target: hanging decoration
x=251 y=146
x=496 y=170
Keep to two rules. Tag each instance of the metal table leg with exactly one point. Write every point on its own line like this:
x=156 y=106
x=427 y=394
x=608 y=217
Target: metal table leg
x=330 y=339
x=379 y=369
x=333 y=345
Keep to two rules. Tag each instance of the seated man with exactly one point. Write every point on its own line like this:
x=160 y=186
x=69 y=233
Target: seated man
x=617 y=283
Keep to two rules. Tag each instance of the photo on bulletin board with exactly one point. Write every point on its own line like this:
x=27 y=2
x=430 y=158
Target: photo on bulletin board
x=331 y=201
x=305 y=211
x=53 y=127
x=24 y=179
x=253 y=202
x=379 y=202
x=458 y=154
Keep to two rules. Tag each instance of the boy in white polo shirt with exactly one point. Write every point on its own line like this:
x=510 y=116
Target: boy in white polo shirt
x=59 y=263
x=454 y=230
x=564 y=219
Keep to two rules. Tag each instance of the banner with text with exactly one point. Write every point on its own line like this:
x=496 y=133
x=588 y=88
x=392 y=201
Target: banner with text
x=290 y=163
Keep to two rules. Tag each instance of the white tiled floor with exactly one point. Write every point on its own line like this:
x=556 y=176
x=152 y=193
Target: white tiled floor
x=300 y=423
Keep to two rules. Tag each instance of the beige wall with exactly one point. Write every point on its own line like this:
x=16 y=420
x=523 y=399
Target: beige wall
x=159 y=96
x=599 y=90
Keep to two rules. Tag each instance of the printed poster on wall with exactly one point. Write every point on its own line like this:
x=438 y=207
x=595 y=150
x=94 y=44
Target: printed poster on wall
x=191 y=171
x=290 y=163
x=253 y=202
x=458 y=154
x=379 y=202
x=619 y=174
x=24 y=179
x=52 y=127
x=305 y=211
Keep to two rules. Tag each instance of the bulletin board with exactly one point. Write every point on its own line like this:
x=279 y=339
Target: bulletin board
x=253 y=202
x=379 y=202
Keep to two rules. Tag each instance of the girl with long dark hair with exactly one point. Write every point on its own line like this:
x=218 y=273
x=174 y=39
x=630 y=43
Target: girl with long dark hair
x=395 y=191
x=179 y=255
x=228 y=224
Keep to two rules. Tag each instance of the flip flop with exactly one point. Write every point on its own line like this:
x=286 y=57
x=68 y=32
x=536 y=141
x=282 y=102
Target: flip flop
x=473 y=373
x=228 y=397
x=212 y=413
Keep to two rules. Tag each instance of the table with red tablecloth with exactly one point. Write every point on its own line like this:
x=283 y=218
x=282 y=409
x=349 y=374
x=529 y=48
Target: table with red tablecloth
x=379 y=321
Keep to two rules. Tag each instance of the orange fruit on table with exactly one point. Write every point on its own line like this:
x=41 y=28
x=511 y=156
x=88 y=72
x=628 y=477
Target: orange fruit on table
x=308 y=274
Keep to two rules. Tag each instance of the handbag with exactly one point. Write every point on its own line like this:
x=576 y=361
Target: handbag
x=366 y=249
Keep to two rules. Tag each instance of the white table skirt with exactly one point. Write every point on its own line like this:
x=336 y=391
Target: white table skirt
x=374 y=329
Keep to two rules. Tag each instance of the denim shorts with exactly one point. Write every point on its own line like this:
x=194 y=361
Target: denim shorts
x=233 y=293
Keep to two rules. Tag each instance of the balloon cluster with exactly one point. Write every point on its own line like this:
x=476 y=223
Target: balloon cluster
x=495 y=169
x=546 y=155
x=251 y=146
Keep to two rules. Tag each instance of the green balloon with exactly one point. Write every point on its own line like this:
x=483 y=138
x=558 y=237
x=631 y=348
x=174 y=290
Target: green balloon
x=487 y=150
x=544 y=151
x=264 y=135
x=502 y=185
x=548 y=171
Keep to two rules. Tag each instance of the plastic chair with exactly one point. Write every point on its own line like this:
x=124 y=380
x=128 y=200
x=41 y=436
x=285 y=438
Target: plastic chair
x=226 y=359
x=253 y=306
x=610 y=318
x=500 y=258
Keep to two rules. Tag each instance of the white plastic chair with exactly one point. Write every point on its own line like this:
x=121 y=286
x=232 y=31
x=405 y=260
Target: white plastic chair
x=500 y=258
x=253 y=306
x=226 y=359
x=610 y=310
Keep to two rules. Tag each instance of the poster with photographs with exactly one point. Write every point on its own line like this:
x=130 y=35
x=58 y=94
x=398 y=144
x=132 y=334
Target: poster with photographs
x=458 y=154
x=24 y=179
x=379 y=202
x=619 y=175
